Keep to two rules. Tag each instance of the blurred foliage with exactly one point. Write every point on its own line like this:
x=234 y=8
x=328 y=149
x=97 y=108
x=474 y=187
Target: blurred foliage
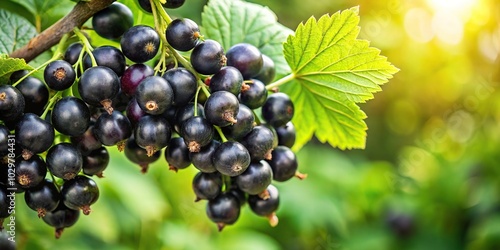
x=429 y=177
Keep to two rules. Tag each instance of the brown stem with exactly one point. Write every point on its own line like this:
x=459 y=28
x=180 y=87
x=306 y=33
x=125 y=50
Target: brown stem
x=82 y=11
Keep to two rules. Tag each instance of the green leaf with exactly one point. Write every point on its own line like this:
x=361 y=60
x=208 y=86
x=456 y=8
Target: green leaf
x=233 y=21
x=46 y=12
x=9 y=65
x=332 y=71
x=15 y=32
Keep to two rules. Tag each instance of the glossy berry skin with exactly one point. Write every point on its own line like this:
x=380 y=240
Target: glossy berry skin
x=6 y=243
x=112 y=21
x=183 y=84
x=134 y=112
x=4 y=140
x=259 y=143
x=152 y=133
x=154 y=95
x=246 y=58
x=177 y=154
x=43 y=198
x=267 y=72
x=62 y=217
x=107 y=56
x=120 y=101
x=245 y=124
x=96 y=162
x=64 y=160
x=197 y=132
x=17 y=75
x=133 y=76
x=87 y=142
x=223 y=210
x=30 y=173
x=173 y=4
x=12 y=103
x=186 y=112
x=70 y=116
x=256 y=178
x=286 y=135
x=33 y=135
x=4 y=204
x=80 y=193
x=239 y=194
x=208 y=57
x=255 y=95
x=98 y=86
x=140 y=43
x=112 y=129
x=183 y=34
x=72 y=53
x=203 y=160
x=35 y=93
x=231 y=158
x=139 y=156
x=265 y=207
x=278 y=109
x=221 y=108
x=283 y=163
x=228 y=78
x=207 y=186
x=59 y=75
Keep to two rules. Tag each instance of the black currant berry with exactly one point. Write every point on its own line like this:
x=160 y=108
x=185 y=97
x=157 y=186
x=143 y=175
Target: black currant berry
x=259 y=142
x=186 y=112
x=173 y=4
x=245 y=124
x=120 y=101
x=207 y=186
x=5 y=200
x=268 y=71
x=197 y=132
x=59 y=75
x=12 y=103
x=239 y=194
x=286 y=135
x=96 y=162
x=134 y=111
x=221 y=108
x=203 y=160
x=80 y=193
x=139 y=156
x=183 y=34
x=35 y=93
x=4 y=140
x=61 y=218
x=140 y=43
x=177 y=154
x=154 y=95
x=70 y=116
x=98 y=86
x=112 y=21
x=228 y=78
x=256 y=178
x=231 y=158
x=152 y=133
x=17 y=75
x=6 y=242
x=246 y=58
x=30 y=173
x=33 y=135
x=72 y=53
x=266 y=206
x=64 y=160
x=223 y=210
x=107 y=56
x=112 y=129
x=284 y=164
x=133 y=76
x=183 y=84
x=208 y=57
x=255 y=95
x=43 y=198
x=278 y=109
x=145 y=5
x=87 y=142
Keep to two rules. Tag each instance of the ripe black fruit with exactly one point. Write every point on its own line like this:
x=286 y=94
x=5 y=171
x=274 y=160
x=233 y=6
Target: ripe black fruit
x=4 y=140
x=268 y=71
x=203 y=160
x=286 y=135
x=42 y=198
x=133 y=76
x=182 y=34
x=98 y=86
x=30 y=173
x=59 y=75
x=107 y=56
x=112 y=21
x=186 y=112
x=140 y=43
x=35 y=93
x=197 y=132
x=255 y=95
x=259 y=142
x=134 y=111
x=64 y=160
x=154 y=95
x=284 y=164
x=228 y=78
x=221 y=108
x=173 y=4
x=245 y=124
x=266 y=206
x=62 y=217
x=4 y=205
x=231 y=158
x=11 y=103
x=96 y=162
x=223 y=210
x=177 y=154
x=111 y=129
x=208 y=57
x=207 y=186
x=256 y=178
x=33 y=135
x=278 y=109
x=70 y=116
x=152 y=133
x=80 y=193
x=183 y=84
x=139 y=156
x=246 y=58
x=72 y=53
x=87 y=142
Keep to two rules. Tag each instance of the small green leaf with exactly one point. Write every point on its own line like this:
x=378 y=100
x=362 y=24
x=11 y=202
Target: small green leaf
x=332 y=71
x=233 y=21
x=9 y=65
x=46 y=12
x=15 y=32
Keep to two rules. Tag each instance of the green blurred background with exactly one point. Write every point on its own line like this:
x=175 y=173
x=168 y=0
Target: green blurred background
x=429 y=177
